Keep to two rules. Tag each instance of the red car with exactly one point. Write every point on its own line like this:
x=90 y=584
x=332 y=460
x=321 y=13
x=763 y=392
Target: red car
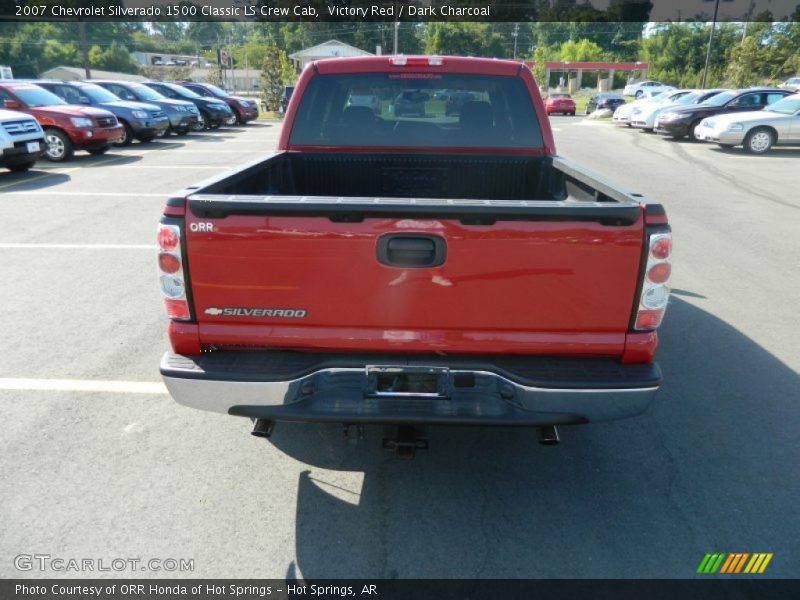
x=67 y=127
x=246 y=110
x=560 y=103
x=386 y=269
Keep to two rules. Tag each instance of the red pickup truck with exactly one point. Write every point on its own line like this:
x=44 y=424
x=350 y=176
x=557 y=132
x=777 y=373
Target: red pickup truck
x=446 y=269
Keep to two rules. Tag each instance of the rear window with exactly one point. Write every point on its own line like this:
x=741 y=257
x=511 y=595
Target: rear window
x=416 y=110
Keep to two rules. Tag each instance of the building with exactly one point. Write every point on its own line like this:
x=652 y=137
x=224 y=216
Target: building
x=76 y=73
x=329 y=49
x=161 y=59
x=566 y=75
x=5 y=73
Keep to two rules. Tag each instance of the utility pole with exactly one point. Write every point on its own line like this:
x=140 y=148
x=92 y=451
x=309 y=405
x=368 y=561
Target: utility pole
x=515 y=34
x=84 y=48
x=396 y=33
x=710 y=41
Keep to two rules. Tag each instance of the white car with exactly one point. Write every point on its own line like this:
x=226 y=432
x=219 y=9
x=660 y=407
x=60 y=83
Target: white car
x=21 y=140
x=758 y=130
x=639 y=89
x=792 y=84
x=622 y=116
x=645 y=116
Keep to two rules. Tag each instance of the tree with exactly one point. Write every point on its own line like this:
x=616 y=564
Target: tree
x=114 y=58
x=463 y=39
x=272 y=73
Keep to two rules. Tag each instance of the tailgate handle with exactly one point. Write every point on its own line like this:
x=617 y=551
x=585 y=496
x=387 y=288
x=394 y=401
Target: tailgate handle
x=414 y=251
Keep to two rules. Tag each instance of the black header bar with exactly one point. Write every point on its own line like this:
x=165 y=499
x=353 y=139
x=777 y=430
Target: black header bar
x=404 y=10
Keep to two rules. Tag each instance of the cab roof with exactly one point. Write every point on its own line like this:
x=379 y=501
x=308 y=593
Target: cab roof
x=416 y=63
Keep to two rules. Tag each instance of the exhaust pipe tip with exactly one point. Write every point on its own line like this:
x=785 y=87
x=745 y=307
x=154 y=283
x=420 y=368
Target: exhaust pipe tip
x=263 y=428
x=548 y=435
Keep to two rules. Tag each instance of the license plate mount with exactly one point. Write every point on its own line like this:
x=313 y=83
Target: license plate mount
x=33 y=147
x=407 y=382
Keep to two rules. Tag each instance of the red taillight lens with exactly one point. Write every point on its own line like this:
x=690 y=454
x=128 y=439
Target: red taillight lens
x=177 y=309
x=661 y=247
x=171 y=277
x=168 y=237
x=659 y=273
x=168 y=263
x=655 y=290
x=649 y=319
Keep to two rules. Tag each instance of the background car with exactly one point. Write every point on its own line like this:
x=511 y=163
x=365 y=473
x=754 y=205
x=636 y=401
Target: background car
x=213 y=111
x=792 y=84
x=410 y=104
x=139 y=120
x=604 y=100
x=244 y=109
x=644 y=117
x=455 y=100
x=640 y=88
x=182 y=114
x=66 y=127
x=285 y=97
x=757 y=131
x=622 y=114
x=363 y=98
x=682 y=121
x=559 y=103
x=21 y=140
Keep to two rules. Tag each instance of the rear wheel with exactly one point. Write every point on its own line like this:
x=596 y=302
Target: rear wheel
x=21 y=167
x=98 y=151
x=759 y=141
x=639 y=94
x=692 y=127
x=58 y=146
x=127 y=135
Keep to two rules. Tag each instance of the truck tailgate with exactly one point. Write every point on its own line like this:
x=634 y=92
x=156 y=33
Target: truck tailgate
x=414 y=282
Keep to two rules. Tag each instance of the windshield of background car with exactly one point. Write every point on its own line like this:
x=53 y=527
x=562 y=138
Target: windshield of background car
x=219 y=93
x=690 y=98
x=145 y=93
x=98 y=94
x=35 y=96
x=787 y=106
x=721 y=99
x=412 y=110
x=182 y=91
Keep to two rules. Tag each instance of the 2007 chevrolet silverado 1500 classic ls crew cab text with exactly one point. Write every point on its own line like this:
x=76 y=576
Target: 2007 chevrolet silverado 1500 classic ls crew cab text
x=409 y=270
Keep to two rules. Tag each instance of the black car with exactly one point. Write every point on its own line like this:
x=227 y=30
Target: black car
x=286 y=96
x=681 y=121
x=213 y=112
x=604 y=100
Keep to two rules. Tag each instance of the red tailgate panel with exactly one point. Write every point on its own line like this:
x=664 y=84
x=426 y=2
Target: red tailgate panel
x=523 y=287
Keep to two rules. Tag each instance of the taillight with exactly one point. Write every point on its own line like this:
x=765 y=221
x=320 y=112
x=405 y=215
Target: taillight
x=656 y=282
x=171 y=278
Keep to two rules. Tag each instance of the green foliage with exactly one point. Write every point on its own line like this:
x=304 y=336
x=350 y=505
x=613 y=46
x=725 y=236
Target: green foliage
x=463 y=39
x=272 y=77
x=582 y=50
x=114 y=58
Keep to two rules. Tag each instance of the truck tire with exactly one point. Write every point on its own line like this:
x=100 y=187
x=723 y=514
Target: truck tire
x=21 y=167
x=127 y=135
x=58 y=146
x=759 y=140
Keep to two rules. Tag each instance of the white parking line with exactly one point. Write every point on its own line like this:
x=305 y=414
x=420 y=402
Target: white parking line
x=109 y=194
x=83 y=385
x=78 y=246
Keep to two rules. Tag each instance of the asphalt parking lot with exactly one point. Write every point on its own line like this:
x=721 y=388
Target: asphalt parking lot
x=98 y=462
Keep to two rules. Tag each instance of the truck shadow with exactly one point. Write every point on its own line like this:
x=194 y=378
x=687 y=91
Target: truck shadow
x=35 y=179
x=711 y=465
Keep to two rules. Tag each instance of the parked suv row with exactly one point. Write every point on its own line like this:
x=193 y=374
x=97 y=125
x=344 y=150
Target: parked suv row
x=94 y=115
